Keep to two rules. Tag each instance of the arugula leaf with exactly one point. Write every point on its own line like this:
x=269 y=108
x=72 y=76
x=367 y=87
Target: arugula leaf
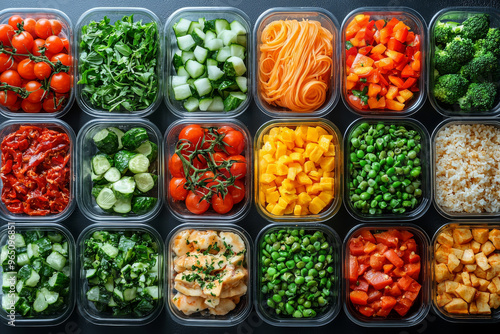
x=361 y=94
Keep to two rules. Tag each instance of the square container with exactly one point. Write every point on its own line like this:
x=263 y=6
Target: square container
x=87 y=149
x=417 y=24
x=243 y=308
x=193 y=14
x=86 y=308
x=335 y=290
x=450 y=122
x=115 y=14
x=420 y=308
x=42 y=321
x=52 y=124
x=494 y=317
x=327 y=21
x=458 y=14
x=178 y=208
x=425 y=155
x=333 y=207
x=67 y=31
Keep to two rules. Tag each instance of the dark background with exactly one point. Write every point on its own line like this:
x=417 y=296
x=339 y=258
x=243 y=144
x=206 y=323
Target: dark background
x=253 y=118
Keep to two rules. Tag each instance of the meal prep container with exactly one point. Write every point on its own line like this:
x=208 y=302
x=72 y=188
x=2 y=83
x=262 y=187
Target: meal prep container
x=426 y=197
x=459 y=318
x=209 y=13
x=260 y=301
x=417 y=24
x=333 y=207
x=178 y=208
x=52 y=124
x=86 y=308
x=420 y=308
x=115 y=14
x=87 y=149
x=439 y=127
x=458 y=14
x=67 y=30
x=243 y=308
x=327 y=21
x=42 y=321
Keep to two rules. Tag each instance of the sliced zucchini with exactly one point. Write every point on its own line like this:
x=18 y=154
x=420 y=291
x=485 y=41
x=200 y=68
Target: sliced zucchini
x=191 y=104
x=138 y=164
x=123 y=188
x=106 y=199
x=112 y=175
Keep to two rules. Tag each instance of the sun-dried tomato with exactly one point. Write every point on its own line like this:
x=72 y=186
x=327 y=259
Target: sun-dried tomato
x=35 y=171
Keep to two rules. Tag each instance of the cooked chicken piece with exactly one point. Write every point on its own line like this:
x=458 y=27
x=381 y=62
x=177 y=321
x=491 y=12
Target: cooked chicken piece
x=187 y=304
x=233 y=240
x=225 y=306
x=181 y=243
x=202 y=240
x=238 y=290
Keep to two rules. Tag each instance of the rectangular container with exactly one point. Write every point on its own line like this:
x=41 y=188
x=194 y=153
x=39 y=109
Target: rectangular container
x=327 y=21
x=87 y=149
x=458 y=14
x=459 y=318
x=86 y=308
x=178 y=209
x=335 y=290
x=42 y=321
x=334 y=207
x=417 y=24
x=243 y=308
x=67 y=31
x=52 y=124
x=426 y=187
x=115 y=14
x=439 y=127
x=193 y=14
x=420 y=308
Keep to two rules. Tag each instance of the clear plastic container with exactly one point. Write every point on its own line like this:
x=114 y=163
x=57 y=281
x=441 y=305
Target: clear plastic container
x=417 y=24
x=450 y=122
x=458 y=14
x=420 y=308
x=87 y=308
x=333 y=207
x=42 y=321
x=52 y=124
x=260 y=300
x=243 y=308
x=494 y=317
x=193 y=14
x=67 y=31
x=424 y=156
x=178 y=208
x=114 y=14
x=87 y=149
x=327 y=21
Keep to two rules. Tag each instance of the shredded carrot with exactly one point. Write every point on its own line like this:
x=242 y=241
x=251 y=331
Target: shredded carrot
x=296 y=64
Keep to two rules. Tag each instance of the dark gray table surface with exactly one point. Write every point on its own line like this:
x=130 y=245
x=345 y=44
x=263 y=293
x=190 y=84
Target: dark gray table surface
x=253 y=118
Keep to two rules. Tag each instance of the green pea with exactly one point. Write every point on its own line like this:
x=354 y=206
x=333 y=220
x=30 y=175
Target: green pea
x=289 y=308
x=271 y=271
x=300 y=264
x=277 y=298
x=360 y=154
x=271 y=303
x=299 y=280
x=297 y=314
x=290 y=264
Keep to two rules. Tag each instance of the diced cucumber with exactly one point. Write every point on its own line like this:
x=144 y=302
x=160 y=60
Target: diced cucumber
x=209 y=35
x=242 y=40
x=182 y=92
x=212 y=62
x=187 y=55
x=59 y=248
x=33 y=279
x=124 y=188
x=237 y=51
x=109 y=250
x=19 y=286
x=56 y=260
x=205 y=103
x=100 y=164
x=149 y=149
x=8 y=278
x=106 y=141
x=200 y=54
x=214 y=44
x=134 y=137
x=217 y=104
x=234 y=100
x=203 y=86
x=19 y=241
x=122 y=158
x=220 y=25
x=112 y=302
x=144 y=181
x=182 y=72
x=90 y=273
x=118 y=295
x=59 y=280
x=178 y=80
x=201 y=21
x=138 y=164
x=97 y=179
x=152 y=291
x=123 y=205
x=54 y=236
x=234 y=66
x=97 y=189
x=242 y=83
x=228 y=37
x=4 y=254
x=93 y=294
x=214 y=73
x=23 y=259
x=191 y=104
x=50 y=296
x=223 y=54
x=109 y=285
x=186 y=42
x=106 y=199
x=141 y=205
x=129 y=294
x=181 y=27
x=194 y=68
x=194 y=25
x=198 y=36
x=178 y=59
x=119 y=133
x=238 y=28
x=40 y=303
x=112 y=175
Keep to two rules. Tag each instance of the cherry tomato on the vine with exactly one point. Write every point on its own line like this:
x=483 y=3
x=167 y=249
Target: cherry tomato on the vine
x=54 y=44
x=177 y=190
x=175 y=166
x=195 y=202
x=8 y=98
x=6 y=33
x=63 y=58
x=222 y=204
x=194 y=134
x=56 y=27
x=26 y=69
x=14 y=20
x=43 y=28
x=60 y=82
x=239 y=168
x=52 y=103
x=237 y=191
x=37 y=93
x=235 y=142
x=23 y=42
x=31 y=107
x=42 y=70
x=11 y=77
x=29 y=26
x=37 y=45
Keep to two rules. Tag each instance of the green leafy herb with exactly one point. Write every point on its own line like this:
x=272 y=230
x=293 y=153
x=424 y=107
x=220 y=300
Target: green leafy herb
x=361 y=94
x=348 y=45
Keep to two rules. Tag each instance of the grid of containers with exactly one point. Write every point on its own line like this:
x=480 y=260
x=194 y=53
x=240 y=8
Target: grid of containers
x=410 y=17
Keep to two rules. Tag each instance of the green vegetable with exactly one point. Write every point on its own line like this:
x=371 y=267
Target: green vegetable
x=479 y=97
x=348 y=45
x=450 y=87
x=481 y=68
x=134 y=137
x=141 y=205
x=492 y=41
x=460 y=50
x=444 y=63
x=101 y=163
x=122 y=159
x=108 y=55
x=361 y=94
x=476 y=26
x=444 y=32
x=149 y=149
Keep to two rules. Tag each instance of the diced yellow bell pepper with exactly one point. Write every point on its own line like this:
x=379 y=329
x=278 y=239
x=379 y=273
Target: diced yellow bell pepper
x=304 y=199
x=273 y=197
x=289 y=209
x=270 y=190
x=289 y=186
x=263 y=164
x=309 y=166
x=322 y=131
x=270 y=207
x=314 y=189
x=262 y=198
x=316 y=205
x=297 y=166
x=331 y=151
x=292 y=173
x=287 y=135
x=300 y=189
x=297 y=210
x=274 y=132
x=279 y=180
x=303 y=179
x=280 y=149
x=282 y=169
x=326 y=197
x=314 y=175
x=312 y=134
x=298 y=150
x=324 y=142
x=297 y=157
x=269 y=148
x=327 y=163
x=272 y=169
x=267 y=178
x=285 y=159
x=316 y=154
x=268 y=157
x=327 y=183
x=278 y=210
x=328 y=174
x=301 y=131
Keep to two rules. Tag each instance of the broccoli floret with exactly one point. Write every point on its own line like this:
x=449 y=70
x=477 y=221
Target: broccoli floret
x=450 y=87
x=444 y=63
x=476 y=27
x=479 y=49
x=460 y=49
x=444 y=32
x=492 y=41
x=479 y=97
x=481 y=68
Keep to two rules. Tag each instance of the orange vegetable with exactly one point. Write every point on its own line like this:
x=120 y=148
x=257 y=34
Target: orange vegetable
x=394 y=105
x=380 y=24
x=397 y=81
x=362 y=61
x=374 y=89
x=380 y=48
x=373 y=103
x=406 y=94
x=392 y=92
x=352 y=77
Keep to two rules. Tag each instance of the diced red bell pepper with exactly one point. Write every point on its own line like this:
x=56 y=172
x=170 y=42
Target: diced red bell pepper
x=409 y=82
x=366 y=311
x=385 y=63
x=362 y=72
x=376 y=103
x=379 y=24
x=377 y=279
x=373 y=91
x=382 y=93
x=395 y=45
x=394 y=258
x=352 y=29
x=376 y=36
x=373 y=295
x=356 y=246
x=378 y=49
x=396 y=56
x=401 y=65
x=387 y=238
x=377 y=261
x=416 y=42
x=365 y=50
x=387 y=268
x=394 y=105
x=350 y=59
x=401 y=35
x=376 y=56
x=396 y=81
x=361 y=285
x=353 y=269
x=415 y=65
x=410 y=51
x=369 y=246
x=388 y=302
x=362 y=61
x=410 y=37
x=392 y=23
x=385 y=35
x=358 y=297
x=402 y=306
x=405 y=235
x=351 y=51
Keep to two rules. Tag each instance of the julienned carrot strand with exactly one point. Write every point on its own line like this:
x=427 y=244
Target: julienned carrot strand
x=296 y=64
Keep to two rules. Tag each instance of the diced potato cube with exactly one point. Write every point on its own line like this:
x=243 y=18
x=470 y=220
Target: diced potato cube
x=457 y=306
x=444 y=299
x=480 y=272
x=453 y=262
x=458 y=277
x=451 y=287
x=480 y=234
x=462 y=235
x=492 y=288
x=442 y=253
x=457 y=252
x=487 y=248
x=483 y=285
x=482 y=261
x=494 y=237
x=494 y=259
x=473 y=308
x=475 y=246
x=470 y=268
x=494 y=301
x=441 y=288
x=462 y=247
x=467 y=293
x=482 y=303
x=496 y=281
x=466 y=278
x=445 y=239
x=490 y=273
x=468 y=257
x=474 y=280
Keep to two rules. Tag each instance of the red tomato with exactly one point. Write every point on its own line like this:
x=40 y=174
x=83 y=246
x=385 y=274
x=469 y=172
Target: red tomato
x=31 y=107
x=177 y=190
x=22 y=42
x=195 y=202
x=234 y=142
x=207 y=179
x=37 y=93
x=52 y=103
x=63 y=58
x=356 y=102
x=193 y=134
x=54 y=44
x=199 y=162
x=42 y=70
x=8 y=98
x=239 y=168
x=66 y=44
x=29 y=26
x=6 y=33
x=175 y=166
x=14 y=20
x=16 y=106
x=222 y=204
x=219 y=157
x=56 y=27
x=237 y=191
x=37 y=44
x=60 y=82
x=43 y=28
x=26 y=69
x=225 y=129
x=11 y=77
x=6 y=62
x=377 y=279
